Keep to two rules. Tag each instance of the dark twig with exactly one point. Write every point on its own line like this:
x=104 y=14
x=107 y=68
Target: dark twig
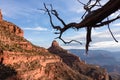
x=68 y=42
x=88 y=6
x=111 y=32
x=54 y=12
x=81 y=2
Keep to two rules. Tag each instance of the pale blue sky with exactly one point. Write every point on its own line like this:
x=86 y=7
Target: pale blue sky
x=38 y=30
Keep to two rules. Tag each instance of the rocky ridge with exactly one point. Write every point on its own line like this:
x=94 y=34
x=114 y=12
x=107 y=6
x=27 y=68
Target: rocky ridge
x=76 y=64
x=21 y=60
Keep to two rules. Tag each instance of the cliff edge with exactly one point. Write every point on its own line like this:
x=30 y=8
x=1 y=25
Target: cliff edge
x=21 y=60
x=76 y=64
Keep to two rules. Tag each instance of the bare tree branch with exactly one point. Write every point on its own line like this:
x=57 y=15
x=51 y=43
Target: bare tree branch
x=106 y=22
x=111 y=32
x=90 y=20
x=55 y=13
x=88 y=38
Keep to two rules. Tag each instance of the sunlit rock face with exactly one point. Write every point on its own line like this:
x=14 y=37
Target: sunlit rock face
x=21 y=60
x=78 y=65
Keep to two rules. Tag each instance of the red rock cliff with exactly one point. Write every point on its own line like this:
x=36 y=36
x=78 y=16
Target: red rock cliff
x=21 y=60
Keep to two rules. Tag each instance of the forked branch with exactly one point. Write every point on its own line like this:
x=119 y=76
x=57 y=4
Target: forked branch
x=53 y=12
x=91 y=19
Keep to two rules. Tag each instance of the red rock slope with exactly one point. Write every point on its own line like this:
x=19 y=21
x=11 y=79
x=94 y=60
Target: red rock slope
x=74 y=62
x=21 y=60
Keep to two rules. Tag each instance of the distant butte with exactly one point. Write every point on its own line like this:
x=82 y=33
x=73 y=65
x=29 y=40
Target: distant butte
x=55 y=44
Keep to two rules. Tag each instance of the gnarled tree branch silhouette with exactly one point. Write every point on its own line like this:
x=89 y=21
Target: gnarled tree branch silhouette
x=93 y=18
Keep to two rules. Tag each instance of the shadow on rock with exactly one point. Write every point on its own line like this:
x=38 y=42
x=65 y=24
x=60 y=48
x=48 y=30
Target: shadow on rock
x=6 y=72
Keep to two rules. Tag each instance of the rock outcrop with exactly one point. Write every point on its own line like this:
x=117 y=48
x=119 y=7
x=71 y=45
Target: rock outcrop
x=75 y=63
x=21 y=60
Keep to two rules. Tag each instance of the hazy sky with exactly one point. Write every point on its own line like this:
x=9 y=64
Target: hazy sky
x=38 y=30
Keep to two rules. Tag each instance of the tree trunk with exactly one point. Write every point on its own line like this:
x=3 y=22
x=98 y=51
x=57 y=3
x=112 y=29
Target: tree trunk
x=100 y=14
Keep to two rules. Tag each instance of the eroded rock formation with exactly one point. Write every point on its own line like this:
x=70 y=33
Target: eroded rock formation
x=75 y=63
x=21 y=60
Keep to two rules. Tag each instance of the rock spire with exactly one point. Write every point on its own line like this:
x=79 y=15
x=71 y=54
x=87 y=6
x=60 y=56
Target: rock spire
x=55 y=44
